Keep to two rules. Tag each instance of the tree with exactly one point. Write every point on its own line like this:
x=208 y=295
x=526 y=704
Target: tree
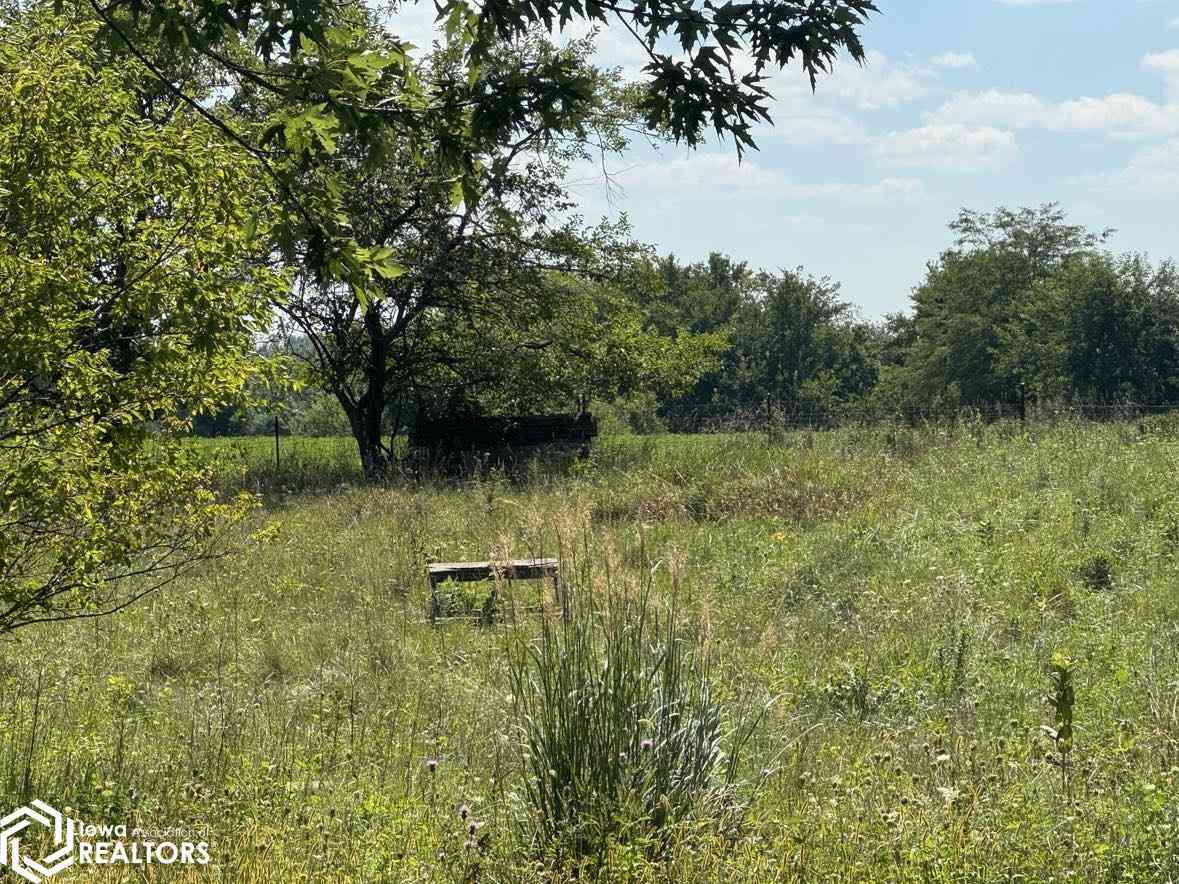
x=1105 y=331
x=974 y=303
x=491 y=286
x=814 y=358
x=128 y=301
x=789 y=339
x=329 y=84
x=703 y=297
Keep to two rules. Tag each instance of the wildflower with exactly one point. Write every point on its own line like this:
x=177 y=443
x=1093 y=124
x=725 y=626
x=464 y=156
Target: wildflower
x=432 y=764
x=646 y=745
x=463 y=811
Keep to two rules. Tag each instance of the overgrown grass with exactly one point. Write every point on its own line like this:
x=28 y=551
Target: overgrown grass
x=300 y=463
x=903 y=600
x=622 y=741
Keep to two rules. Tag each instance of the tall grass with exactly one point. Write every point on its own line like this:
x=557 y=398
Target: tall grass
x=623 y=740
x=903 y=593
x=303 y=463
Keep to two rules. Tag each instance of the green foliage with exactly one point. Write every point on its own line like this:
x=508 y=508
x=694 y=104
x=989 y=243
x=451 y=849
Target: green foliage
x=1063 y=701
x=788 y=339
x=129 y=293
x=1025 y=307
x=637 y=412
x=321 y=416
x=622 y=739
x=1105 y=330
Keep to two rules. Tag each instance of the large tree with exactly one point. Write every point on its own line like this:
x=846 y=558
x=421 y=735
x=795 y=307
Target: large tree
x=976 y=299
x=502 y=298
x=128 y=298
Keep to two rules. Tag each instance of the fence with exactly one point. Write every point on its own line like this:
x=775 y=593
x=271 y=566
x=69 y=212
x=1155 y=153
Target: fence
x=777 y=416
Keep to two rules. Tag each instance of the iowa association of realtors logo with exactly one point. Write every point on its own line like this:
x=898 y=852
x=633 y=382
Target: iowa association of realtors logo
x=40 y=814
x=73 y=841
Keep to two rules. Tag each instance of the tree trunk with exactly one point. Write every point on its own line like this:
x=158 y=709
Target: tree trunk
x=374 y=459
x=367 y=416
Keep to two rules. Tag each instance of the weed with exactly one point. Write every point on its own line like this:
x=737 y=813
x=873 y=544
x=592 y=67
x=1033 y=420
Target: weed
x=1097 y=573
x=1062 y=701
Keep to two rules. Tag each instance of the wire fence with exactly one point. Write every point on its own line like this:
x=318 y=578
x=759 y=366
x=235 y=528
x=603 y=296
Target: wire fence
x=773 y=416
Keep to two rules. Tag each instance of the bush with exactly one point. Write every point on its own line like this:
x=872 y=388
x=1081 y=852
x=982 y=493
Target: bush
x=623 y=740
x=322 y=416
x=636 y=413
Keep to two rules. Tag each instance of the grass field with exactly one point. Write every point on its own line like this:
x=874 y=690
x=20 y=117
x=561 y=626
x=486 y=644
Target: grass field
x=954 y=652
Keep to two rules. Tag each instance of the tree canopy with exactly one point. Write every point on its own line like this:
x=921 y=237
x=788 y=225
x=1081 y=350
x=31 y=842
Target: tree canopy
x=130 y=289
x=327 y=81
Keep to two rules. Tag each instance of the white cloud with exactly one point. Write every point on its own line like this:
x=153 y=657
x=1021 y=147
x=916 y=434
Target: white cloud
x=720 y=175
x=817 y=127
x=805 y=118
x=1166 y=64
x=1015 y=109
x=950 y=147
x=1120 y=114
x=954 y=60
x=879 y=83
x=1173 y=24
x=1152 y=170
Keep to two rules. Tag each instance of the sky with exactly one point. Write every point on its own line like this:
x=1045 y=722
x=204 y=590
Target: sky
x=962 y=103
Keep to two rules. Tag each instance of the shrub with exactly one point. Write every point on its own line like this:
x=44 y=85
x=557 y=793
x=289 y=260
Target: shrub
x=622 y=737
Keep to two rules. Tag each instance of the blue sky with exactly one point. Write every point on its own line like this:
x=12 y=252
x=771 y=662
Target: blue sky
x=972 y=103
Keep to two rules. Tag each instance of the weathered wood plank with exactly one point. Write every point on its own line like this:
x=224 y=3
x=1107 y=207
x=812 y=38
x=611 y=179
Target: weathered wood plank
x=515 y=569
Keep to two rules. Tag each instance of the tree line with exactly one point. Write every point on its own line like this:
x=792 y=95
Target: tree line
x=1023 y=309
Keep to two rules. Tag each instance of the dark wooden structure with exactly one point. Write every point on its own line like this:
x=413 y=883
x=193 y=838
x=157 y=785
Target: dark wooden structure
x=499 y=435
x=514 y=569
